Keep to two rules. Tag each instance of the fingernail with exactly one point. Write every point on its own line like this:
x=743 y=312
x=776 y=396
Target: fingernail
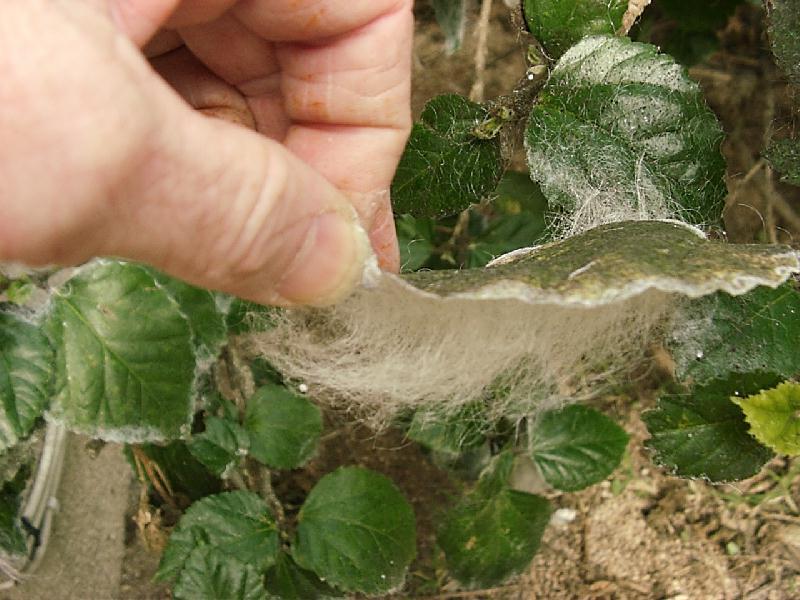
x=329 y=264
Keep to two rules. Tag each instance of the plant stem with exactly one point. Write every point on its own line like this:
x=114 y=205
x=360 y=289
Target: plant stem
x=481 y=51
x=259 y=479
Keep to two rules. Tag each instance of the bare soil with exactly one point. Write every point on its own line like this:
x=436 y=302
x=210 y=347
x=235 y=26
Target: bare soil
x=84 y=557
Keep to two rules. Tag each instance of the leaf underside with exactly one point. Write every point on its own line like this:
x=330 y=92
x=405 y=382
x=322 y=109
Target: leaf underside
x=614 y=262
x=451 y=16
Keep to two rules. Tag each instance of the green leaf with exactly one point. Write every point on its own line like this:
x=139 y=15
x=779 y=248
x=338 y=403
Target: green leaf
x=235 y=525
x=517 y=193
x=248 y=317
x=495 y=477
x=264 y=373
x=558 y=24
x=445 y=167
x=774 y=417
x=220 y=445
x=518 y=220
x=784 y=33
x=287 y=581
x=26 y=370
x=704 y=434
x=622 y=129
x=415 y=238
x=20 y=291
x=200 y=308
x=125 y=364
x=494 y=532
x=486 y=541
x=284 y=428
x=754 y=332
x=356 y=531
x=451 y=16
x=467 y=465
x=210 y=575
x=453 y=434
x=616 y=261
x=576 y=447
x=784 y=155
x=223 y=407
x=687 y=29
x=186 y=474
x=12 y=539
x=700 y=16
x=22 y=455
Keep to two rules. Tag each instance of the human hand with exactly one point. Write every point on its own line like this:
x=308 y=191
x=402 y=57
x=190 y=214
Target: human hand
x=100 y=156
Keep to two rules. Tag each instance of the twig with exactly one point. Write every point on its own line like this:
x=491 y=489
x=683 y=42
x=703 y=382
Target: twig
x=786 y=212
x=703 y=72
x=635 y=10
x=259 y=479
x=235 y=477
x=459 y=237
x=773 y=516
x=757 y=166
x=769 y=184
x=481 y=51
x=150 y=471
x=773 y=198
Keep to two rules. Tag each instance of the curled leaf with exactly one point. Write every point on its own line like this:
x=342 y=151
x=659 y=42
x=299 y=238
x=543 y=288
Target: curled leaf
x=535 y=327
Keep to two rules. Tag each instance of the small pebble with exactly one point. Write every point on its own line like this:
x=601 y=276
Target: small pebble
x=564 y=516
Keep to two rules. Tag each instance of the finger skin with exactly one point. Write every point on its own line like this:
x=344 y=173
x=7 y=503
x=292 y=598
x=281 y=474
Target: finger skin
x=248 y=64
x=341 y=102
x=311 y=20
x=201 y=88
x=239 y=210
x=139 y=20
x=101 y=157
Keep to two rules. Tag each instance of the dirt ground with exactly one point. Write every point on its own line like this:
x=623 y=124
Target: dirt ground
x=84 y=557
x=639 y=535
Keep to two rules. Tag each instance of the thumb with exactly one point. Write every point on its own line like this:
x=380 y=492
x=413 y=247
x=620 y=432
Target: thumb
x=226 y=208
